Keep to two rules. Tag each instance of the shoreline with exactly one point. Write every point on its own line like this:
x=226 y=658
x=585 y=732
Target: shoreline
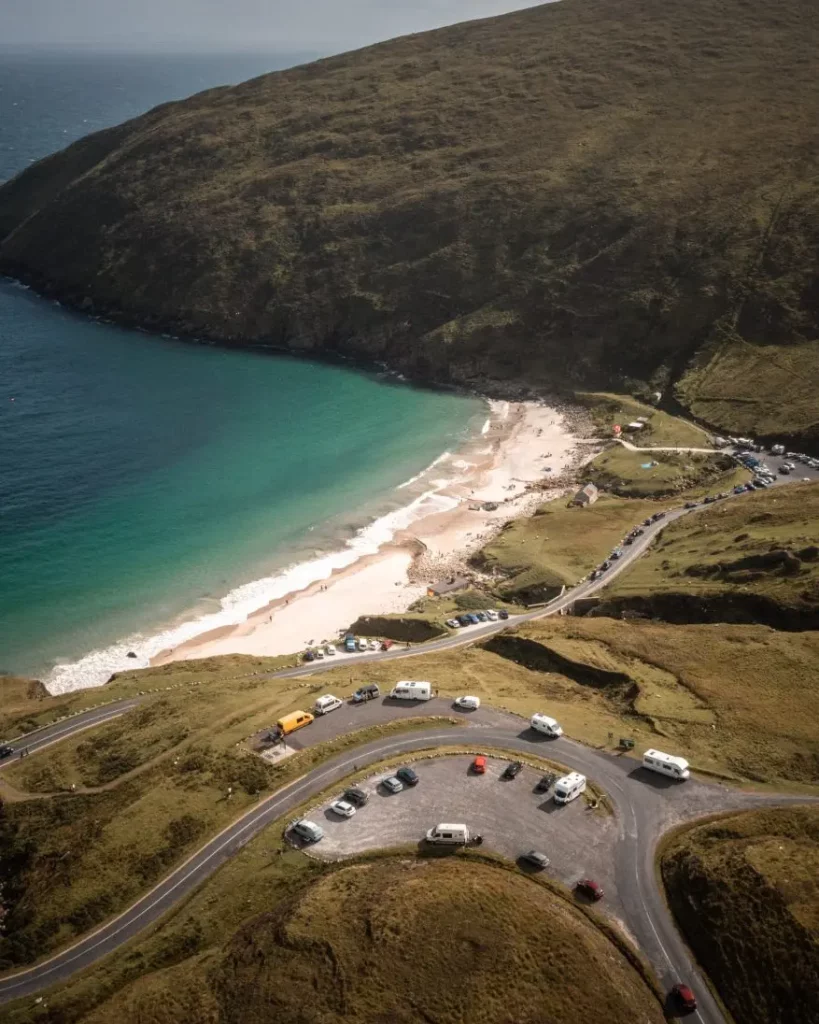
x=504 y=465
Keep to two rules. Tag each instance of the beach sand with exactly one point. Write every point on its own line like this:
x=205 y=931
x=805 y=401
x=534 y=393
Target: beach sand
x=501 y=465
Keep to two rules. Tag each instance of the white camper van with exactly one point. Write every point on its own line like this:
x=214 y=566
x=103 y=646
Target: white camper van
x=412 y=689
x=549 y=726
x=569 y=787
x=453 y=835
x=326 y=703
x=666 y=764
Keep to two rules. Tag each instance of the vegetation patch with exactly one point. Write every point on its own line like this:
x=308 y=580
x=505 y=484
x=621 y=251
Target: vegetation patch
x=405 y=627
x=659 y=428
x=745 y=891
x=634 y=474
x=383 y=939
x=536 y=555
x=755 y=557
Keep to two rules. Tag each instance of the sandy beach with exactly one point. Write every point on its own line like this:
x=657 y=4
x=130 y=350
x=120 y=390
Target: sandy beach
x=523 y=447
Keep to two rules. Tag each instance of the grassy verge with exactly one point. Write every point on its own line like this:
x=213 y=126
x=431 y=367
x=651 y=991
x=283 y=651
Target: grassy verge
x=744 y=890
x=660 y=430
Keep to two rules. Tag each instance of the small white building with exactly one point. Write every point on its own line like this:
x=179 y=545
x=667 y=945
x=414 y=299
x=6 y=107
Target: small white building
x=587 y=495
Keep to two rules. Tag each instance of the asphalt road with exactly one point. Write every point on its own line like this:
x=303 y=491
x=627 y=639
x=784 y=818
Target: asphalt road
x=641 y=807
x=41 y=738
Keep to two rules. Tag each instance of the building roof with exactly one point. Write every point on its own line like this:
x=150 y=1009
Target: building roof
x=448 y=586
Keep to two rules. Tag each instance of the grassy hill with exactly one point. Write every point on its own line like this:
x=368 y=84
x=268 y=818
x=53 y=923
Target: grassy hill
x=744 y=890
x=384 y=940
x=591 y=193
x=754 y=558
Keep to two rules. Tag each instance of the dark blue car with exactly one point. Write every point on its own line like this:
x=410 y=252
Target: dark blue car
x=473 y=618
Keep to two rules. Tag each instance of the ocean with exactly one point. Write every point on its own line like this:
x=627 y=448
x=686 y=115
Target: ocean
x=150 y=488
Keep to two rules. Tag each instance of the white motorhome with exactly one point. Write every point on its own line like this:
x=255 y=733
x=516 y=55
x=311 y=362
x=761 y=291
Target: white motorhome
x=326 y=703
x=666 y=764
x=549 y=726
x=569 y=787
x=411 y=689
x=453 y=835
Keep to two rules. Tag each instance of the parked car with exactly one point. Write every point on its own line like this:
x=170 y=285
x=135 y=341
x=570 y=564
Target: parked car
x=308 y=656
x=373 y=645
x=647 y=522
x=6 y=750
x=629 y=540
x=617 y=553
x=690 y=504
x=481 y=616
x=473 y=618
x=319 y=653
x=491 y=614
x=512 y=770
x=393 y=784
x=595 y=574
x=386 y=644
x=479 y=765
x=407 y=776
x=309 y=831
x=342 y=808
x=355 y=796
x=784 y=469
x=544 y=783
x=453 y=623
x=369 y=692
x=464 y=620
x=361 y=644
x=349 y=643
x=467 y=703
x=536 y=859
x=590 y=888
x=503 y=614
x=330 y=650
x=684 y=997
x=605 y=566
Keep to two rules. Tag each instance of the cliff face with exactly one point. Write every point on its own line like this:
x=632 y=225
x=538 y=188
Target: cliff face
x=593 y=191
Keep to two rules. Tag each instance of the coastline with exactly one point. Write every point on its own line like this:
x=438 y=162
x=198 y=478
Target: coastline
x=521 y=446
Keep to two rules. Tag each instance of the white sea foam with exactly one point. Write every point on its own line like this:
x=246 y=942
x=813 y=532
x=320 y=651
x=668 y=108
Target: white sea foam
x=486 y=426
x=435 y=462
x=97 y=666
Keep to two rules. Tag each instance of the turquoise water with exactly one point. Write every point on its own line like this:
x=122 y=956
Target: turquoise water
x=146 y=483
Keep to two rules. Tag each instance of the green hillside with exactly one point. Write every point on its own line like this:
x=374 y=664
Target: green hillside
x=592 y=193
x=754 y=558
x=744 y=890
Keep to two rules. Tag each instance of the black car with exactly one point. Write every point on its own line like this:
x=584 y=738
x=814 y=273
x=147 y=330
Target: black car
x=604 y=566
x=690 y=504
x=512 y=770
x=407 y=776
x=355 y=796
x=647 y=522
x=544 y=783
x=629 y=540
x=6 y=750
x=503 y=614
x=536 y=859
x=464 y=620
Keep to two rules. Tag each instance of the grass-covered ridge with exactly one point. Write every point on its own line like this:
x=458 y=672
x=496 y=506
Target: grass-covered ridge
x=744 y=890
x=404 y=939
x=754 y=556
x=588 y=193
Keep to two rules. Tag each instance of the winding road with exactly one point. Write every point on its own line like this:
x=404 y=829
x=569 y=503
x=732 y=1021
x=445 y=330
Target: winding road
x=644 y=808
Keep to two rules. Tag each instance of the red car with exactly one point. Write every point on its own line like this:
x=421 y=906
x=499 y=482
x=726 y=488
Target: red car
x=590 y=888
x=685 y=997
x=479 y=765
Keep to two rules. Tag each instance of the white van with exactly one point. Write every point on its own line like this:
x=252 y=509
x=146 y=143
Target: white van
x=412 y=689
x=666 y=764
x=326 y=703
x=569 y=787
x=454 y=835
x=542 y=723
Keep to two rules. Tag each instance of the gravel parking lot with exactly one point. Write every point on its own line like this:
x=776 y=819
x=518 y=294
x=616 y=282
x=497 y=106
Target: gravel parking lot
x=511 y=817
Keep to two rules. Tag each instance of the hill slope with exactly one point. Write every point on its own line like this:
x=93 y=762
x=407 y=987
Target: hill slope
x=586 y=192
x=752 y=559
x=744 y=890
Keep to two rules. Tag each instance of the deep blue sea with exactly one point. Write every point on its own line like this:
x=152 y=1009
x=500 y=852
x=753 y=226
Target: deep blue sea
x=150 y=488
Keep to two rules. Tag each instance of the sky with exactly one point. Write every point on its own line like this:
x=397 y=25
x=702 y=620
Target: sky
x=328 y=26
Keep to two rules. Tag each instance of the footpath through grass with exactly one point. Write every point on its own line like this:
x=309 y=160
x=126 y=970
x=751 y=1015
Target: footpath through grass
x=745 y=891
